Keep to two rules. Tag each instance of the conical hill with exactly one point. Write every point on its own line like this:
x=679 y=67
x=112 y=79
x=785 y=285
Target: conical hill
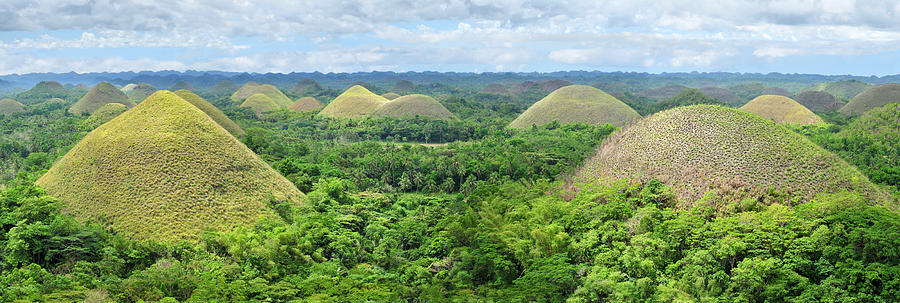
x=260 y=104
x=414 y=105
x=252 y=88
x=224 y=88
x=141 y=91
x=164 y=170
x=357 y=101
x=213 y=112
x=701 y=148
x=8 y=106
x=100 y=94
x=577 y=103
x=781 y=109
x=181 y=85
x=876 y=96
x=305 y=104
x=107 y=112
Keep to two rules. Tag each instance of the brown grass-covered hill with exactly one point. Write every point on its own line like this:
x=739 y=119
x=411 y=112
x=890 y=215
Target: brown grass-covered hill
x=577 y=103
x=367 y=85
x=662 y=93
x=781 y=109
x=223 y=88
x=210 y=110
x=876 y=96
x=252 y=88
x=701 y=148
x=105 y=113
x=412 y=106
x=880 y=122
x=8 y=106
x=140 y=92
x=100 y=94
x=818 y=101
x=260 y=104
x=721 y=94
x=403 y=86
x=776 y=91
x=846 y=89
x=356 y=101
x=181 y=84
x=391 y=96
x=303 y=86
x=164 y=170
x=305 y=104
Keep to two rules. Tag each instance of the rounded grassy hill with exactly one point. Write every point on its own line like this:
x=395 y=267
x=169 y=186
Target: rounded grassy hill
x=781 y=109
x=776 y=91
x=8 y=106
x=700 y=148
x=403 y=86
x=181 y=84
x=140 y=92
x=412 y=106
x=252 y=88
x=818 y=101
x=846 y=89
x=128 y=87
x=357 y=101
x=876 y=96
x=260 y=104
x=305 y=104
x=99 y=95
x=213 y=112
x=391 y=96
x=223 y=88
x=576 y=103
x=721 y=94
x=164 y=170
x=305 y=85
x=107 y=112
x=49 y=89
x=880 y=122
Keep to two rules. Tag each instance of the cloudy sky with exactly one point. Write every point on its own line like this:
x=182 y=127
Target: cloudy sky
x=824 y=36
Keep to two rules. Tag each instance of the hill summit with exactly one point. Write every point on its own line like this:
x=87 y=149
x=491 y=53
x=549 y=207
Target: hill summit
x=100 y=94
x=140 y=92
x=701 y=148
x=49 y=89
x=223 y=88
x=781 y=109
x=213 y=112
x=305 y=104
x=8 y=106
x=164 y=170
x=576 y=103
x=260 y=104
x=414 y=105
x=252 y=88
x=356 y=101
x=873 y=97
x=818 y=101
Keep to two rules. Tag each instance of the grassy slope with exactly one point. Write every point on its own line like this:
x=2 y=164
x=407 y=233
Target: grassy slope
x=577 y=103
x=100 y=94
x=107 y=112
x=873 y=97
x=10 y=106
x=391 y=96
x=252 y=88
x=842 y=89
x=165 y=170
x=781 y=109
x=210 y=110
x=181 y=85
x=224 y=88
x=818 y=101
x=260 y=104
x=882 y=122
x=699 y=148
x=49 y=88
x=141 y=92
x=305 y=104
x=414 y=105
x=355 y=102
x=721 y=94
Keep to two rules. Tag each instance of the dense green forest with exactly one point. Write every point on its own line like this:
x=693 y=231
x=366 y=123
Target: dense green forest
x=463 y=210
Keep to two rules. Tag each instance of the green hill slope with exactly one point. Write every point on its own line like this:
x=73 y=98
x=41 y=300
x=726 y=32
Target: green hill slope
x=391 y=96
x=305 y=104
x=303 y=86
x=355 y=102
x=846 y=89
x=8 y=106
x=414 y=105
x=181 y=85
x=141 y=91
x=252 y=88
x=662 y=93
x=106 y=112
x=695 y=149
x=876 y=96
x=880 y=122
x=260 y=104
x=721 y=94
x=99 y=95
x=781 y=109
x=164 y=170
x=818 y=101
x=213 y=112
x=576 y=103
x=223 y=88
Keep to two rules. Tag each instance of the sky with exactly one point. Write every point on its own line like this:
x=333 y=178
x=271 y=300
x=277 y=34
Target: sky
x=834 y=37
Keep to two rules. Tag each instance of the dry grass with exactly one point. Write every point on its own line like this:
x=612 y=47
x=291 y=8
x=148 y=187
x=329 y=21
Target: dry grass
x=252 y=88
x=8 y=106
x=577 y=103
x=305 y=104
x=818 y=101
x=777 y=91
x=781 y=109
x=164 y=170
x=702 y=148
x=357 y=101
x=260 y=104
x=876 y=96
x=412 y=106
x=99 y=95
x=211 y=111
x=140 y=92
x=391 y=96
